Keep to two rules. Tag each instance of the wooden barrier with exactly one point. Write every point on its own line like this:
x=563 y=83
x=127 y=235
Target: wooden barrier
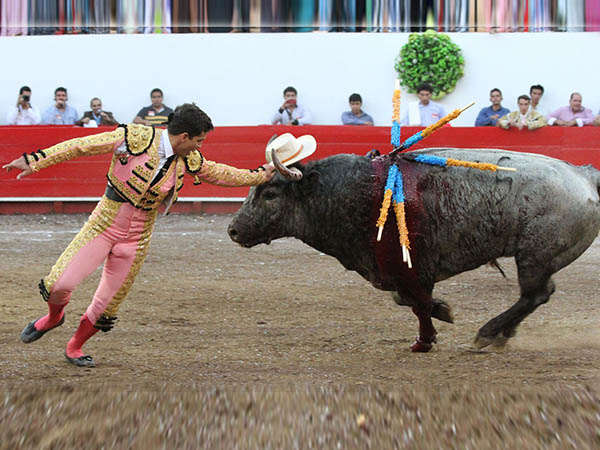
x=75 y=186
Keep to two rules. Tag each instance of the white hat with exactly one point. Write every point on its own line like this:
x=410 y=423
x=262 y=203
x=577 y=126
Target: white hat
x=290 y=149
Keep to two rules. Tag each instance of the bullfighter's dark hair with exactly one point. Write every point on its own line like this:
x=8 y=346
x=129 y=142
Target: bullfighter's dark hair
x=524 y=97
x=188 y=118
x=355 y=98
x=156 y=90
x=425 y=87
x=536 y=86
x=290 y=89
x=24 y=88
x=495 y=90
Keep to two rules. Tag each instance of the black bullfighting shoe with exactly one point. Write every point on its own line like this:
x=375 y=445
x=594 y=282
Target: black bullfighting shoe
x=82 y=361
x=30 y=334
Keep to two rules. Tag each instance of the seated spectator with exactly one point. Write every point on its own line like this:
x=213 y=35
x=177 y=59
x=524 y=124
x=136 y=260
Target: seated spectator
x=104 y=118
x=489 y=115
x=597 y=120
x=523 y=117
x=60 y=113
x=356 y=116
x=424 y=112
x=291 y=112
x=536 y=92
x=155 y=114
x=573 y=115
x=23 y=113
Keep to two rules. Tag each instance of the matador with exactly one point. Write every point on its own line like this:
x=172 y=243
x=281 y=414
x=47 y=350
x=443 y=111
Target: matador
x=147 y=169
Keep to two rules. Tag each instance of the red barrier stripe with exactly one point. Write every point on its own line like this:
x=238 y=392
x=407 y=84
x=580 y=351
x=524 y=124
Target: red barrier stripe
x=244 y=147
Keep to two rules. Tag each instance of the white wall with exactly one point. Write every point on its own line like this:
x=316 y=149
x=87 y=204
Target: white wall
x=238 y=78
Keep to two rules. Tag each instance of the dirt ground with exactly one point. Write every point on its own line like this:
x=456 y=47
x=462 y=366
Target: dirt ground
x=280 y=347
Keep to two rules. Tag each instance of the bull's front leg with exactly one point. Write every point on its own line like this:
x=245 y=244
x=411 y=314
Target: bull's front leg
x=424 y=342
x=422 y=304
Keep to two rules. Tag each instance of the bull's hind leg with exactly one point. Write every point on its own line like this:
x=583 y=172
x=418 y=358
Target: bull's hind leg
x=535 y=291
x=422 y=305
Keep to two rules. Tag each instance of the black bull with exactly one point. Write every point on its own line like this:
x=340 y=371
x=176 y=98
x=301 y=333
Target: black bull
x=545 y=215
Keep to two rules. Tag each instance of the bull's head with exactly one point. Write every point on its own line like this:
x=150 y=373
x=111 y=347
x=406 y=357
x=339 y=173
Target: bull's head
x=274 y=209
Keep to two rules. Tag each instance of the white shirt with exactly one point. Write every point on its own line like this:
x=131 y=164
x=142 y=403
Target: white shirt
x=20 y=116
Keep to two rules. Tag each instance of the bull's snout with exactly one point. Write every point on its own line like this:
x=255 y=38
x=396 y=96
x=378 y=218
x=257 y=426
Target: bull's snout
x=232 y=232
x=240 y=235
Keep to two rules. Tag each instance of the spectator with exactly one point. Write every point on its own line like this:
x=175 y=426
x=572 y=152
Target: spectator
x=523 y=117
x=291 y=112
x=573 y=115
x=425 y=112
x=23 y=113
x=489 y=116
x=535 y=92
x=597 y=120
x=60 y=113
x=104 y=118
x=155 y=114
x=356 y=116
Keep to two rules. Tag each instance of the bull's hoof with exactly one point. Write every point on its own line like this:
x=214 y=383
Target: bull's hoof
x=421 y=346
x=500 y=341
x=482 y=341
x=441 y=310
x=497 y=341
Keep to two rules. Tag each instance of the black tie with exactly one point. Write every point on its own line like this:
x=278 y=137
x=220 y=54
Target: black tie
x=161 y=173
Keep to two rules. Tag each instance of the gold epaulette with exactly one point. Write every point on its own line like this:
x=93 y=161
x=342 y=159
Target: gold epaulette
x=138 y=138
x=193 y=164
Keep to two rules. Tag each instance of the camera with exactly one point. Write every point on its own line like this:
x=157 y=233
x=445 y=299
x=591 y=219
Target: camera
x=25 y=98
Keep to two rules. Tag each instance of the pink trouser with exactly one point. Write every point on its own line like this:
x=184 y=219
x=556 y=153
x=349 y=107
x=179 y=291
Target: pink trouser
x=116 y=234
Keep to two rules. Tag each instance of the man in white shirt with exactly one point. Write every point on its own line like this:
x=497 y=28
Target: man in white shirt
x=23 y=113
x=535 y=92
x=291 y=112
x=425 y=112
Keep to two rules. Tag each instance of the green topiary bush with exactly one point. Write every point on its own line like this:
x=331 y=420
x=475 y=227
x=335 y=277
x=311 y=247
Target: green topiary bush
x=433 y=58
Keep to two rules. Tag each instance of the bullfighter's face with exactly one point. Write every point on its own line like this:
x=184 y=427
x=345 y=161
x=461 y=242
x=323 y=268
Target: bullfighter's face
x=183 y=144
x=523 y=106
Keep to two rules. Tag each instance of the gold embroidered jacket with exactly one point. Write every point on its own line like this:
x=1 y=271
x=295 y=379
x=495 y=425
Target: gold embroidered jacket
x=131 y=173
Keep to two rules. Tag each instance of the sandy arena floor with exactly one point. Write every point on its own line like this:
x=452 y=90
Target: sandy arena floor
x=280 y=347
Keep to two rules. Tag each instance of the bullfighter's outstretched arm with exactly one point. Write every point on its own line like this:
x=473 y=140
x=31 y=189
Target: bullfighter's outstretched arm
x=224 y=175
x=84 y=146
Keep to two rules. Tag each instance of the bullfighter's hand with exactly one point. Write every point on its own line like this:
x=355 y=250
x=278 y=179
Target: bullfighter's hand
x=269 y=171
x=19 y=164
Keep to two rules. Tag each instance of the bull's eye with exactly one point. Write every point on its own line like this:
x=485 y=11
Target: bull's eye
x=269 y=195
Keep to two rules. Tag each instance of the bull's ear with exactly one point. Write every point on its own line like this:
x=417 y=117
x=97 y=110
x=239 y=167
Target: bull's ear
x=310 y=181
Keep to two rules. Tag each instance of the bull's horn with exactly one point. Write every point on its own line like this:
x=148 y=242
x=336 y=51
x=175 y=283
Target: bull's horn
x=291 y=174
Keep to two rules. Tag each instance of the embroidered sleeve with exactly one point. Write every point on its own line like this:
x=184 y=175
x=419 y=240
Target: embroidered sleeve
x=85 y=146
x=224 y=175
